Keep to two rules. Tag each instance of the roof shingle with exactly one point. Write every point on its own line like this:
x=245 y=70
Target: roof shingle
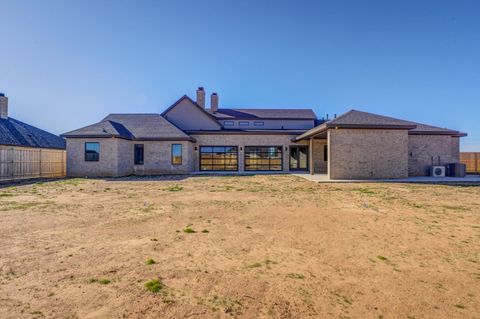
x=132 y=126
x=265 y=114
x=17 y=133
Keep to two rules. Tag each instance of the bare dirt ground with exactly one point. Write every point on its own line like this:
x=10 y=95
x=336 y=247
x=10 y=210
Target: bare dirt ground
x=246 y=247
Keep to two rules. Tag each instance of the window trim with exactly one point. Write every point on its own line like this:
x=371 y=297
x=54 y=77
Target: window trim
x=181 y=154
x=243 y=123
x=200 y=158
x=135 y=161
x=85 y=152
x=269 y=164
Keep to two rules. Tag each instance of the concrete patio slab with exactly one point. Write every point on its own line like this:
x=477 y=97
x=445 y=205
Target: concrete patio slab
x=469 y=179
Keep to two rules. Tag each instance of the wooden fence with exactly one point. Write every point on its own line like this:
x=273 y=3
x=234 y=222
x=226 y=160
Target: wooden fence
x=472 y=160
x=18 y=163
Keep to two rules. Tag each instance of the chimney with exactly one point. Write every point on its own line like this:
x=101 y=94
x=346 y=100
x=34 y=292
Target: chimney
x=214 y=102
x=201 y=97
x=3 y=106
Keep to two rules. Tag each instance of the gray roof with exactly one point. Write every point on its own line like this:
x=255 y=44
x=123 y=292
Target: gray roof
x=132 y=126
x=265 y=114
x=359 y=119
x=17 y=133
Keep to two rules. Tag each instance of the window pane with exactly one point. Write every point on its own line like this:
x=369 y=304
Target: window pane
x=138 y=154
x=263 y=158
x=218 y=158
x=92 y=151
x=176 y=154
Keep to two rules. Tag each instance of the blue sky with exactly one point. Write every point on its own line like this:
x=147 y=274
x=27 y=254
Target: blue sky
x=66 y=64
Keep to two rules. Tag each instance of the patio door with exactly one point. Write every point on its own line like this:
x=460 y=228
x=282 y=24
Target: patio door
x=299 y=158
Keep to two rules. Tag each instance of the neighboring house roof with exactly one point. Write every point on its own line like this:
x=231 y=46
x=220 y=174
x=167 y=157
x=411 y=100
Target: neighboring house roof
x=132 y=127
x=265 y=114
x=359 y=119
x=16 y=133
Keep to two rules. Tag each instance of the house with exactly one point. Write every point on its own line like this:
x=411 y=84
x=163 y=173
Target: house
x=27 y=151
x=187 y=137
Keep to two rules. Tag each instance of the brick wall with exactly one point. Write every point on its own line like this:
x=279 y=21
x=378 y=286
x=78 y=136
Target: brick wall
x=158 y=158
x=117 y=158
x=77 y=166
x=368 y=153
x=427 y=150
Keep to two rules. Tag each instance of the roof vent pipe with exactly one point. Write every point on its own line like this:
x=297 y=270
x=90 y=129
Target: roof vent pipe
x=214 y=102
x=3 y=106
x=201 y=97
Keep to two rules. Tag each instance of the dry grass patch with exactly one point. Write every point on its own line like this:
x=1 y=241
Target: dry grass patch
x=272 y=246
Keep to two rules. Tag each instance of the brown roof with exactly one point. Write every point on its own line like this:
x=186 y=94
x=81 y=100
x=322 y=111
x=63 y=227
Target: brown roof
x=359 y=119
x=265 y=114
x=132 y=126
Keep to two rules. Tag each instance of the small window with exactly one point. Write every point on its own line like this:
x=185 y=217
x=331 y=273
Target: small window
x=243 y=123
x=92 y=151
x=228 y=123
x=177 y=154
x=258 y=123
x=325 y=153
x=138 y=152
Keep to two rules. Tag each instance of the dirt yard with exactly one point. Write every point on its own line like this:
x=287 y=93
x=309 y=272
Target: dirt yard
x=245 y=247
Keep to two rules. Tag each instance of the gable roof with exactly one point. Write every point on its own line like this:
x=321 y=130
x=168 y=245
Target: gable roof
x=17 y=133
x=365 y=120
x=132 y=127
x=186 y=97
x=265 y=114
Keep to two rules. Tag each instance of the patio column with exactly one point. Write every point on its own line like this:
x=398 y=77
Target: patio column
x=310 y=157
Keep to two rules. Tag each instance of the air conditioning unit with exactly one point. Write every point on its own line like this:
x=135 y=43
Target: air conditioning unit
x=437 y=171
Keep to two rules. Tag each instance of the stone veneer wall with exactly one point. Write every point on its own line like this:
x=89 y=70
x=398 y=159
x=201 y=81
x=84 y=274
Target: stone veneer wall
x=242 y=140
x=367 y=153
x=427 y=150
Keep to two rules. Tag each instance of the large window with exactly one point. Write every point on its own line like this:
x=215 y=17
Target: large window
x=325 y=153
x=218 y=158
x=263 y=158
x=177 y=154
x=92 y=151
x=138 y=154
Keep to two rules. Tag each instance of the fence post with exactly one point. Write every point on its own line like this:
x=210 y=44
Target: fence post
x=40 y=169
x=476 y=162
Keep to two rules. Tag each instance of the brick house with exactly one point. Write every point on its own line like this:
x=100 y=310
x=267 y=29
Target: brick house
x=187 y=138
